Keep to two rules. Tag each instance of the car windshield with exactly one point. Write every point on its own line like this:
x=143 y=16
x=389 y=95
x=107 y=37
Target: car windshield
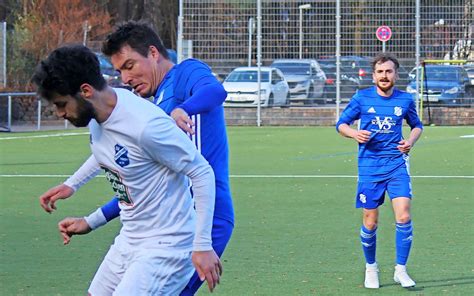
x=442 y=73
x=246 y=76
x=293 y=68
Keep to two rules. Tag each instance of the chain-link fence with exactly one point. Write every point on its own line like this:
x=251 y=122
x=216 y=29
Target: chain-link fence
x=224 y=33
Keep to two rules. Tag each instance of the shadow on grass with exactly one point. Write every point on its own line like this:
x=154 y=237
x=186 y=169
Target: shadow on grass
x=420 y=285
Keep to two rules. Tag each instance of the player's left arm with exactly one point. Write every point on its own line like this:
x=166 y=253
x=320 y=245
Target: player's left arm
x=204 y=93
x=405 y=145
x=163 y=142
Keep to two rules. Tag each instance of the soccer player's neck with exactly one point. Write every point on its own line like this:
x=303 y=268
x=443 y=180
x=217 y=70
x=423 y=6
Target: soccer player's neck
x=384 y=93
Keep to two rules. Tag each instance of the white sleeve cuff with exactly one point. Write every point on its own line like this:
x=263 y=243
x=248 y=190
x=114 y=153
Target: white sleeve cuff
x=96 y=219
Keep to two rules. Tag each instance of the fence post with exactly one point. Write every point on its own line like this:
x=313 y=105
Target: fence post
x=38 y=127
x=9 y=116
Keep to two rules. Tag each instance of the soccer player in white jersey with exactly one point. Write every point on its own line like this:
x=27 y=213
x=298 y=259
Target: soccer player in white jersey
x=149 y=161
x=383 y=162
x=192 y=96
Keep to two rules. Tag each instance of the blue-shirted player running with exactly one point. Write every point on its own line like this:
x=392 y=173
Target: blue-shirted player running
x=193 y=97
x=383 y=162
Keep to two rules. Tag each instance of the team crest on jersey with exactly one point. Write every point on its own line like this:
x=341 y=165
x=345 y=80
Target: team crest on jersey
x=397 y=111
x=121 y=156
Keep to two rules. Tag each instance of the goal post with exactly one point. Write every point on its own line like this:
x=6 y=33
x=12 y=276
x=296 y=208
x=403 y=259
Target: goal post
x=444 y=83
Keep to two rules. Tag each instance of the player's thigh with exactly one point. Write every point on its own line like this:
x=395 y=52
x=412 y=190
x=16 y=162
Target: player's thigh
x=370 y=195
x=399 y=186
x=156 y=273
x=109 y=274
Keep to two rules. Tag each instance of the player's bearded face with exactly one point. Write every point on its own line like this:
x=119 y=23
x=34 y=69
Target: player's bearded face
x=385 y=83
x=385 y=76
x=85 y=112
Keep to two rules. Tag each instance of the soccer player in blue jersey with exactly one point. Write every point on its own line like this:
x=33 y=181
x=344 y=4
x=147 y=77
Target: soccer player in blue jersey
x=383 y=162
x=193 y=97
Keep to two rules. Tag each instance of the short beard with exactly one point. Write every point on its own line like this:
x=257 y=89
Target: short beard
x=386 y=89
x=85 y=112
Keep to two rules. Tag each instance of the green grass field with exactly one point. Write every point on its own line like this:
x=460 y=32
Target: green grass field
x=296 y=227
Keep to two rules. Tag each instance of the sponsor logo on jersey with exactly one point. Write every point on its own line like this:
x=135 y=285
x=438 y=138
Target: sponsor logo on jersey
x=371 y=110
x=117 y=185
x=363 y=198
x=397 y=111
x=121 y=156
x=384 y=124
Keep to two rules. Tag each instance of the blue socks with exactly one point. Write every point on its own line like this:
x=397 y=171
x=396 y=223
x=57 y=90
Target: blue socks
x=368 y=239
x=403 y=239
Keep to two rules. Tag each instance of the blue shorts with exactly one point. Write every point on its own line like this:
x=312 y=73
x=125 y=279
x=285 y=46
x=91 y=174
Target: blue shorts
x=371 y=195
x=221 y=233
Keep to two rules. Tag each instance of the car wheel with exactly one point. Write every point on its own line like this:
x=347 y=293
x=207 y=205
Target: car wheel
x=270 y=101
x=311 y=95
x=288 y=100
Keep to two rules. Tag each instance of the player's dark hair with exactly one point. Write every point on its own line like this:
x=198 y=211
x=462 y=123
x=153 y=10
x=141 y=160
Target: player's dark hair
x=65 y=70
x=385 y=57
x=138 y=35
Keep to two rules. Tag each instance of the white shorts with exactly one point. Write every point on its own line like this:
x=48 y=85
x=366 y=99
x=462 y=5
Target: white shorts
x=143 y=272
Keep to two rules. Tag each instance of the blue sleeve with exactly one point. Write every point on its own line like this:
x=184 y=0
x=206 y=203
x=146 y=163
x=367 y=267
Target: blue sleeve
x=204 y=98
x=197 y=88
x=111 y=209
x=412 y=117
x=350 y=113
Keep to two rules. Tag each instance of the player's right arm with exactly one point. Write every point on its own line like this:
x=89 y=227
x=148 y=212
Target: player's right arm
x=349 y=115
x=87 y=171
x=361 y=136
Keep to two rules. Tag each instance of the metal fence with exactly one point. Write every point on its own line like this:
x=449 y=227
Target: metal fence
x=226 y=35
x=26 y=112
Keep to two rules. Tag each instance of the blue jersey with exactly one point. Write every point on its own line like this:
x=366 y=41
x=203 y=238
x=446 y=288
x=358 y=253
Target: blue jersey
x=191 y=86
x=379 y=158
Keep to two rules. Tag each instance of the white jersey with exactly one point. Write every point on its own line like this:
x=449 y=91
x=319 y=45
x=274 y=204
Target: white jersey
x=147 y=159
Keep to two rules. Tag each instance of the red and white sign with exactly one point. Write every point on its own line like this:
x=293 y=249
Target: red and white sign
x=383 y=33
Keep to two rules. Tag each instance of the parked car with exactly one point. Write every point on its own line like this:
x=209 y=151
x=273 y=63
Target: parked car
x=349 y=83
x=444 y=85
x=242 y=87
x=108 y=72
x=356 y=66
x=305 y=79
x=470 y=73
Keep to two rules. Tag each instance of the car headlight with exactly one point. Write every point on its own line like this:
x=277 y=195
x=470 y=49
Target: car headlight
x=453 y=90
x=262 y=92
x=411 y=90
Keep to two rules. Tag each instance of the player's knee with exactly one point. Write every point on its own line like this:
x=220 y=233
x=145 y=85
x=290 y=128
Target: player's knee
x=370 y=225
x=370 y=220
x=403 y=217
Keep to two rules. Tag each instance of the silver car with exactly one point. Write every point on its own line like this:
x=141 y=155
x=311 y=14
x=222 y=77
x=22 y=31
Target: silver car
x=242 y=87
x=305 y=78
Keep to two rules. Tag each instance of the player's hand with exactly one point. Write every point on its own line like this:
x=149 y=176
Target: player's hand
x=182 y=120
x=362 y=136
x=71 y=226
x=49 y=198
x=404 y=147
x=208 y=266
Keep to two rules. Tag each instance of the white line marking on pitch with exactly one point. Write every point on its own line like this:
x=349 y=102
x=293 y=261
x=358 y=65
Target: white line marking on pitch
x=467 y=136
x=45 y=136
x=251 y=176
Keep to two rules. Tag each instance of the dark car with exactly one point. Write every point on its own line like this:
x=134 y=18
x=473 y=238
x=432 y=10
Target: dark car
x=355 y=66
x=108 y=72
x=349 y=83
x=443 y=85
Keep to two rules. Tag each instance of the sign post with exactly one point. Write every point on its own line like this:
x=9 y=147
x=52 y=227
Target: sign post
x=383 y=33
